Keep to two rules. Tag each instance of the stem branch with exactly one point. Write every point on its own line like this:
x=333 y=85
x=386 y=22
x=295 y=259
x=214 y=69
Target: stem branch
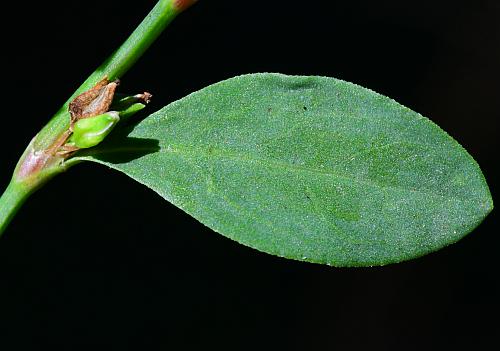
x=115 y=66
x=37 y=164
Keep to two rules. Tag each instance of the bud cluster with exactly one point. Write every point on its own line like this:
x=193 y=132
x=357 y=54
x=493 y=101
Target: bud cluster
x=95 y=112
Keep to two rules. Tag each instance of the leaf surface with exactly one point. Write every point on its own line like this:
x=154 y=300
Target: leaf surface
x=309 y=168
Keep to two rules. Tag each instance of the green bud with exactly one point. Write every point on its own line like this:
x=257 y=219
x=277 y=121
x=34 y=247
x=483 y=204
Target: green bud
x=127 y=105
x=131 y=110
x=123 y=102
x=89 y=132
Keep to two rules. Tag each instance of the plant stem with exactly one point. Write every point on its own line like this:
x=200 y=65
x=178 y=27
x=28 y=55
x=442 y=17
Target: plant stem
x=116 y=65
x=36 y=165
x=10 y=202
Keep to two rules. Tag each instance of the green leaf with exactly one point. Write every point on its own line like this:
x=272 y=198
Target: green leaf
x=309 y=168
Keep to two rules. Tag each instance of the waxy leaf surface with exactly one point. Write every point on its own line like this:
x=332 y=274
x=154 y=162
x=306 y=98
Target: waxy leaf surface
x=309 y=168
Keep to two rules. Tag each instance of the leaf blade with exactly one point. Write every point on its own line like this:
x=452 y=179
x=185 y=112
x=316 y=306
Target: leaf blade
x=310 y=168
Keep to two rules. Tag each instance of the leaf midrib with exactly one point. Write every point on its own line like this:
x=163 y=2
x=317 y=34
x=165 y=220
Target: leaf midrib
x=192 y=152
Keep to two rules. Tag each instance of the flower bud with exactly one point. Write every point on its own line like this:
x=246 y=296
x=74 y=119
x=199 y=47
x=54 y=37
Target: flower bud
x=89 y=132
x=131 y=110
x=130 y=105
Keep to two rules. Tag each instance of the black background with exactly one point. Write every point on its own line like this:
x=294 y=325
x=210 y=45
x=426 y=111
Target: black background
x=96 y=259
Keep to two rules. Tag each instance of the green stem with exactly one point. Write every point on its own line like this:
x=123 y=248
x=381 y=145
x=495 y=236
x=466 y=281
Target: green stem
x=10 y=202
x=116 y=65
x=35 y=167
